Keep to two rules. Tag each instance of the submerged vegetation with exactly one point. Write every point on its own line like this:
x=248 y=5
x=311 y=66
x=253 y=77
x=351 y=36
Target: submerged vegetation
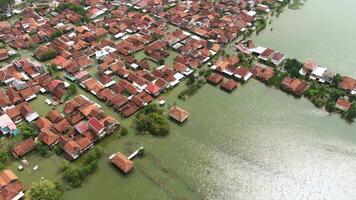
x=295 y=4
x=152 y=120
x=261 y=24
x=75 y=174
x=44 y=189
x=193 y=86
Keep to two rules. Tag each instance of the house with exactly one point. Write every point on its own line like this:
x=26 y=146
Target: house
x=48 y=137
x=318 y=74
x=343 y=104
x=23 y=148
x=266 y=54
x=54 y=116
x=7 y=126
x=43 y=123
x=75 y=117
x=84 y=142
x=62 y=126
x=118 y=101
x=10 y=186
x=82 y=127
x=215 y=79
x=57 y=88
x=262 y=72
x=4 y=54
x=278 y=58
x=28 y=113
x=242 y=73
x=294 y=86
x=348 y=84
x=308 y=67
x=14 y=113
x=110 y=123
x=129 y=109
x=97 y=126
x=153 y=89
x=178 y=114
x=229 y=85
x=122 y=162
x=71 y=148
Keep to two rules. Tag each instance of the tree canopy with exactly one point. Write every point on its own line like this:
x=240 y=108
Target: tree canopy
x=152 y=120
x=43 y=189
x=29 y=130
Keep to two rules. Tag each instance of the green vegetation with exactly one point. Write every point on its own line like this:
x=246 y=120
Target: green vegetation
x=193 y=86
x=5 y=4
x=295 y=4
x=261 y=24
x=350 y=115
x=56 y=34
x=292 y=66
x=4 y=159
x=63 y=165
x=75 y=174
x=49 y=55
x=43 y=190
x=151 y=119
x=124 y=131
x=42 y=149
x=321 y=95
x=29 y=130
x=2 y=45
x=52 y=69
x=277 y=79
x=72 y=89
x=71 y=6
x=76 y=8
x=336 y=80
x=245 y=60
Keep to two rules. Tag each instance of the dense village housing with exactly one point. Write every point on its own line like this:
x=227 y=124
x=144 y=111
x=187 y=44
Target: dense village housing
x=78 y=56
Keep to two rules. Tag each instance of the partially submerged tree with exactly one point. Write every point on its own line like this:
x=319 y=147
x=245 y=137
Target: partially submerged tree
x=44 y=189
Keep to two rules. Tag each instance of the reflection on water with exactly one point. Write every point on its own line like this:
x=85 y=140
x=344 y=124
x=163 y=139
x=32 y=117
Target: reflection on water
x=322 y=30
x=267 y=146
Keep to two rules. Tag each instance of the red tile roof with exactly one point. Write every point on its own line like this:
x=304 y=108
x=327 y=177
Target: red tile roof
x=48 y=137
x=96 y=125
x=343 y=104
x=23 y=148
x=122 y=162
x=178 y=114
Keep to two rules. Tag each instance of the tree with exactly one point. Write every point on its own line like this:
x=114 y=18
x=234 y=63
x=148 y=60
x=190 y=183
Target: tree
x=124 y=131
x=336 y=80
x=292 y=66
x=29 y=130
x=51 y=69
x=75 y=174
x=44 y=189
x=42 y=149
x=7 y=4
x=350 y=115
x=56 y=34
x=4 y=158
x=72 y=89
x=50 y=54
x=152 y=120
x=330 y=106
x=63 y=165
